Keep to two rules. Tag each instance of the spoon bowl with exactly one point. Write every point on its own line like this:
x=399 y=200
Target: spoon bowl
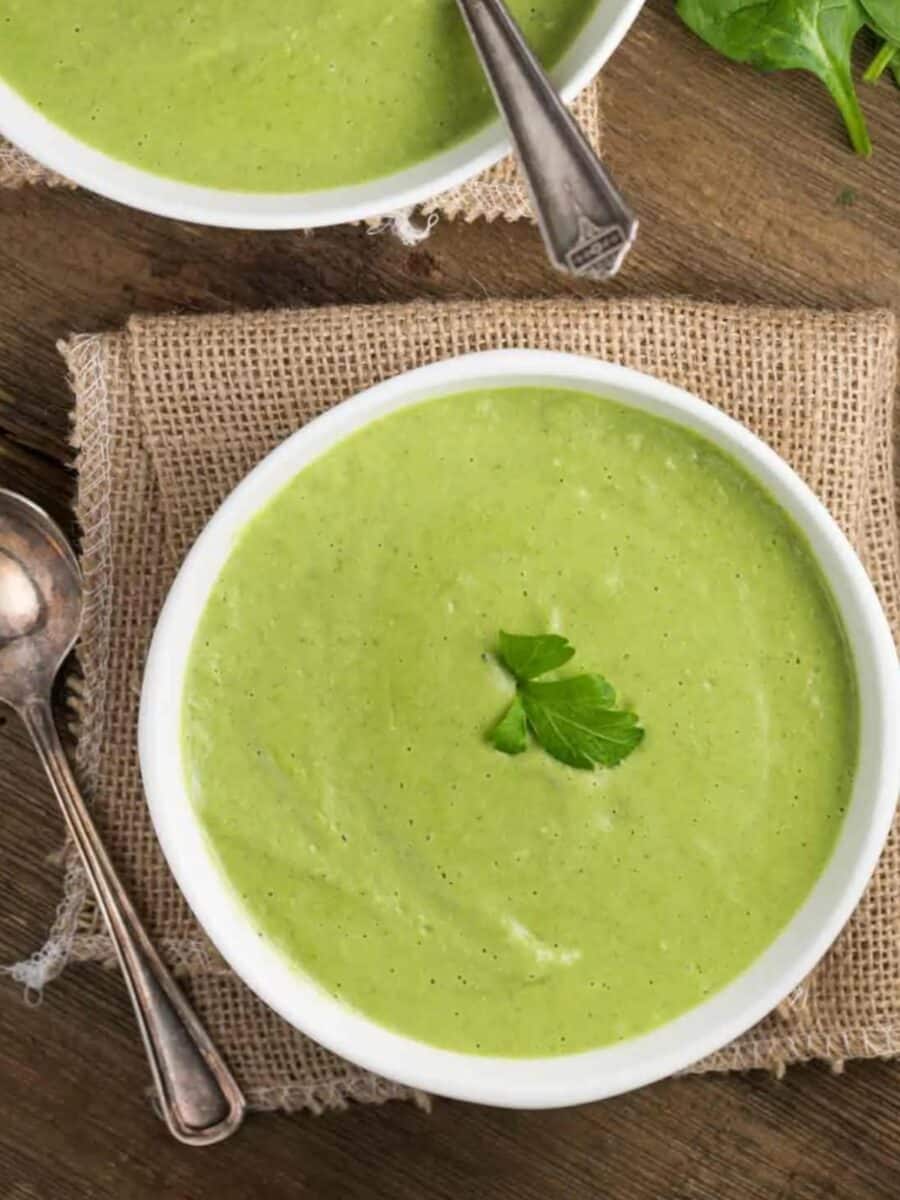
x=41 y=599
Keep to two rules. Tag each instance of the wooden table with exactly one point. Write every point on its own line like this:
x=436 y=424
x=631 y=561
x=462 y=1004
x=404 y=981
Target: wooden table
x=746 y=191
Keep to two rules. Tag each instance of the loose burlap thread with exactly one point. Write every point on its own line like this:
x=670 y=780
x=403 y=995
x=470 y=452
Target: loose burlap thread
x=172 y=412
x=498 y=192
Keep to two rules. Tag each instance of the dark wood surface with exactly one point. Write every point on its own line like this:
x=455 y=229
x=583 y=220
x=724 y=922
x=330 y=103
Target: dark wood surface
x=747 y=192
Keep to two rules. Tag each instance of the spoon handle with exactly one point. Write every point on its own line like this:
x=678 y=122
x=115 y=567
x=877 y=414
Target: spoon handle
x=587 y=226
x=200 y=1100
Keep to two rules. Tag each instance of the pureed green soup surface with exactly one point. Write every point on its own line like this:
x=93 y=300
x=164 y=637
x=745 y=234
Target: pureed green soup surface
x=342 y=681
x=263 y=95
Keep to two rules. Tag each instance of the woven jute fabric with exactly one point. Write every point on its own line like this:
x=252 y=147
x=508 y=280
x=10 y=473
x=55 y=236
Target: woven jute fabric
x=18 y=169
x=171 y=413
x=498 y=192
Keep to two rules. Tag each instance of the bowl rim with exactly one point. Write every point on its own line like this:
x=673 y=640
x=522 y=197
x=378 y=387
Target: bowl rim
x=23 y=125
x=589 y=1075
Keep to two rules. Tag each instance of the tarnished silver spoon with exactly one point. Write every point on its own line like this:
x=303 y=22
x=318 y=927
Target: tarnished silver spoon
x=41 y=601
x=587 y=226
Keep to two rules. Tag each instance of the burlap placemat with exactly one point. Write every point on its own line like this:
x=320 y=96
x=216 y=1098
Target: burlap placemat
x=496 y=192
x=171 y=413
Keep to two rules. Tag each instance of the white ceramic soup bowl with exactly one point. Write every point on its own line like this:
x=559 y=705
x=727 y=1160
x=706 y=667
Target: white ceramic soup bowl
x=22 y=124
x=537 y=1082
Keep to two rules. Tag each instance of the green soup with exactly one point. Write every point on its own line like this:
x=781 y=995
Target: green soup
x=268 y=95
x=342 y=680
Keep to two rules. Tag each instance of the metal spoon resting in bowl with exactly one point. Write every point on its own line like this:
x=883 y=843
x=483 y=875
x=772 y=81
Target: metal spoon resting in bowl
x=41 y=602
x=586 y=225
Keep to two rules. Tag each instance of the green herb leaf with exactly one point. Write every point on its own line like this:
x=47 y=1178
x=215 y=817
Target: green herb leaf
x=772 y=35
x=510 y=734
x=528 y=657
x=573 y=719
x=575 y=723
x=884 y=17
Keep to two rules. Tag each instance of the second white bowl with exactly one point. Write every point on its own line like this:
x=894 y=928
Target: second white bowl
x=23 y=125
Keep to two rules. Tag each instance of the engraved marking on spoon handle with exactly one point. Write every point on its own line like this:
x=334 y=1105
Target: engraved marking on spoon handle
x=201 y=1102
x=587 y=226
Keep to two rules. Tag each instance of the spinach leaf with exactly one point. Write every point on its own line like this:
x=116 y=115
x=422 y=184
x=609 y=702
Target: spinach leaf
x=772 y=35
x=884 y=58
x=884 y=17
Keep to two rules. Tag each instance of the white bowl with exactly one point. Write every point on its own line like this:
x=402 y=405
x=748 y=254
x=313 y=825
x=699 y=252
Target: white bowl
x=49 y=144
x=539 y=1082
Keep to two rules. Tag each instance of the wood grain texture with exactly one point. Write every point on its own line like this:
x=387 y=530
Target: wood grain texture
x=746 y=192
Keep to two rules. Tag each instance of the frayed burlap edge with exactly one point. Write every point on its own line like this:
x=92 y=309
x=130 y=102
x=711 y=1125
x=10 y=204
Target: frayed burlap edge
x=18 y=169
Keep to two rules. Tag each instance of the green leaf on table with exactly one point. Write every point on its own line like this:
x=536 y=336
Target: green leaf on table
x=883 y=17
x=806 y=35
x=528 y=657
x=510 y=734
x=575 y=722
x=880 y=62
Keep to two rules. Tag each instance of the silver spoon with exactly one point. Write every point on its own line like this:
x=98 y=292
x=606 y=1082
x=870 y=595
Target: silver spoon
x=41 y=601
x=587 y=226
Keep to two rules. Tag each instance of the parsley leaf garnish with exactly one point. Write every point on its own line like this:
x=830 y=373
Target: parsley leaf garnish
x=528 y=657
x=573 y=719
x=510 y=734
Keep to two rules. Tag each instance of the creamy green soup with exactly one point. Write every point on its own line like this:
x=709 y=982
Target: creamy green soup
x=342 y=680
x=268 y=95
